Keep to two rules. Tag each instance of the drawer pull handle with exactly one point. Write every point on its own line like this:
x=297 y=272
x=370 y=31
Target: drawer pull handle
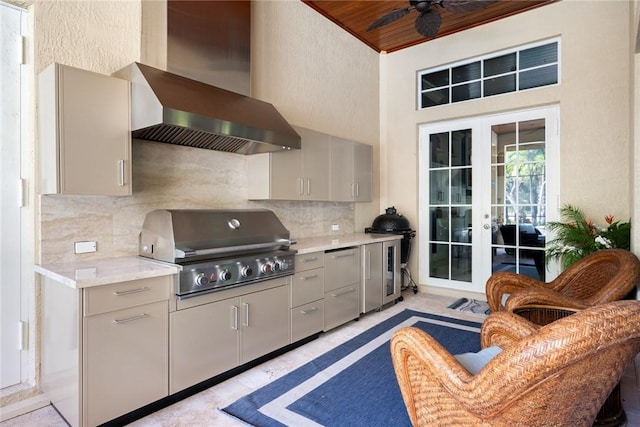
x=343 y=255
x=348 y=291
x=132 y=291
x=130 y=319
x=311 y=310
x=315 y=258
x=313 y=276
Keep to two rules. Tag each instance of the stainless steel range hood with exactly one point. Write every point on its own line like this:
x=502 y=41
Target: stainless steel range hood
x=166 y=107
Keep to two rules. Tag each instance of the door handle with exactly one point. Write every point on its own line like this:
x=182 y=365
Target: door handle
x=234 y=317
x=246 y=314
x=121 y=173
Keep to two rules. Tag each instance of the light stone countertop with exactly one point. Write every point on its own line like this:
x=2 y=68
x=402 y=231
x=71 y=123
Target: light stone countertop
x=313 y=244
x=98 y=272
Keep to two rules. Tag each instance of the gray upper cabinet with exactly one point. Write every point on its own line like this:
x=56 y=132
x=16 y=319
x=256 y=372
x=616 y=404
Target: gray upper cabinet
x=327 y=168
x=351 y=171
x=84 y=133
x=292 y=174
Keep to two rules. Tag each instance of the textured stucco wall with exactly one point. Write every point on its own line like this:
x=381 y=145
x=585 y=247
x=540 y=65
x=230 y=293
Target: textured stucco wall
x=296 y=67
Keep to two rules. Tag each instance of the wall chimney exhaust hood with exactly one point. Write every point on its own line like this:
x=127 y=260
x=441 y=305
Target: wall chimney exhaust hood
x=166 y=107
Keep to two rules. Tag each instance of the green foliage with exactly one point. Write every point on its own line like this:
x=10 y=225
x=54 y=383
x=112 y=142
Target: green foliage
x=579 y=237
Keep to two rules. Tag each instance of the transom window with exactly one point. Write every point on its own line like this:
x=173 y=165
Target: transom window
x=523 y=68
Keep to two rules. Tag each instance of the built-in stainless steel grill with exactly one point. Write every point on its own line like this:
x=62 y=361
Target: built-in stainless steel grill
x=218 y=249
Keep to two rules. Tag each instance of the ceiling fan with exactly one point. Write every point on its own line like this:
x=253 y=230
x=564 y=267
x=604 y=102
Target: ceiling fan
x=428 y=21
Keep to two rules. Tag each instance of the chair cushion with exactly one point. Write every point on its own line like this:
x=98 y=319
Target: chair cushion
x=474 y=362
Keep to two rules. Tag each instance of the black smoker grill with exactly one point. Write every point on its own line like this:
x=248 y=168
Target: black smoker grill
x=391 y=222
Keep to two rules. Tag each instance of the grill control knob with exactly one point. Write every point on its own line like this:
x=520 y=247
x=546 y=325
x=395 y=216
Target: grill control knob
x=225 y=275
x=265 y=268
x=246 y=271
x=201 y=279
x=284 y=265
x=276 y=266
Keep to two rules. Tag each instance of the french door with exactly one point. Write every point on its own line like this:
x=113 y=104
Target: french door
x=488 y=185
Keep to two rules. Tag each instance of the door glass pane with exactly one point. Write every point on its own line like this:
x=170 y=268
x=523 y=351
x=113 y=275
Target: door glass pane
x=439 y=150
x=439 y=261
x=439 y=224
x=450 y=198
x=439 y=192
x=461 y=148
x=518 y=198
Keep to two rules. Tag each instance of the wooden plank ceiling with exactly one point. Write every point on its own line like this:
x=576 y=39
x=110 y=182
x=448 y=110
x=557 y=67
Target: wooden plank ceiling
x=356 y=15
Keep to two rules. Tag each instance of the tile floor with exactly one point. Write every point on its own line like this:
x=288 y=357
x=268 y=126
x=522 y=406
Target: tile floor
x=202 y=408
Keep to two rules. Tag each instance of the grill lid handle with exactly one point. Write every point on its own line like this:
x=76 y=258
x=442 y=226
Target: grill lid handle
x=188 y=253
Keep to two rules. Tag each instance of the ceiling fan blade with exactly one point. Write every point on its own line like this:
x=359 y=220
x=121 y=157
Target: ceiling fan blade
x=464 y=5
x=428 y=23
x=390 y=17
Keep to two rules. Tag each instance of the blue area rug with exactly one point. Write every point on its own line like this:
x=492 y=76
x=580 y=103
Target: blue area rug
x=353 y=384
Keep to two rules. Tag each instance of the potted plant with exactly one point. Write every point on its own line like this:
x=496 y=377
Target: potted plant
x=579 y=236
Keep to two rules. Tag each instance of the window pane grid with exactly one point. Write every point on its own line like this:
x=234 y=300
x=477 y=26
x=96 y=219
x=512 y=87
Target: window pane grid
x=523 y=69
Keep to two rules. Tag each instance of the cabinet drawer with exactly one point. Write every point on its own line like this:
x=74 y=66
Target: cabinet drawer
x=307 y=320
x=341 y=305
x=309 y=261
x=342 y=268
x=102 y=299
x=307 y=286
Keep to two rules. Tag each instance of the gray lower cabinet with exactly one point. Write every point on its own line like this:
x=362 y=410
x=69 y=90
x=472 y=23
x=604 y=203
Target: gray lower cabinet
x=214 y=333
x=104 y=348
x=307 y=296
x=341 y=286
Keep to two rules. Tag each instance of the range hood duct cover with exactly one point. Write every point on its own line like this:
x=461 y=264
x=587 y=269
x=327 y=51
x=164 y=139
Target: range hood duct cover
x=170 y=108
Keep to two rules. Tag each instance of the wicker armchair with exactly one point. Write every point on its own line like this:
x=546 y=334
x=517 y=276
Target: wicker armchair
x=603 y=276
x=554 y=375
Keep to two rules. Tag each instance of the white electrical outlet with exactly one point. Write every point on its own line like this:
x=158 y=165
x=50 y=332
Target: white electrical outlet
x=85 y=247
x=335 y=227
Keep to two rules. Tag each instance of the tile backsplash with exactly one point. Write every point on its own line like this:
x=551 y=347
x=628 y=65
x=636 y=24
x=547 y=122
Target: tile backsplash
x=169 y=176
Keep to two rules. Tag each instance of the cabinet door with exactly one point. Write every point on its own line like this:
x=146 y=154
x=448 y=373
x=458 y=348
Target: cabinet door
x=265 y=322
x=363 y=172
x=286 y=181
x=315 y=166
x=342 y=182
x=203 y=342
x=84 y=133
x=125 y=363
x=372 y=279
x=351 y=171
